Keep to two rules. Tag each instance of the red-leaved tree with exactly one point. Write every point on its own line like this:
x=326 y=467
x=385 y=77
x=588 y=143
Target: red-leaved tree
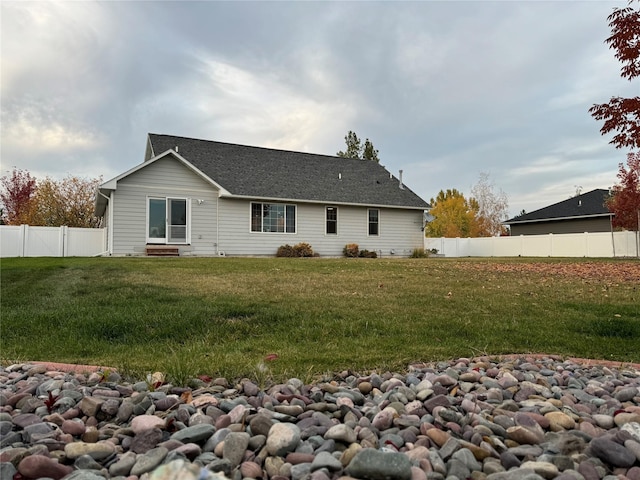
x=16 y=196
x=622 y=115
x=625 y=196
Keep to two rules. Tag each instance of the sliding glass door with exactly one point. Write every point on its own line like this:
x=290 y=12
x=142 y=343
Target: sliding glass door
x=168 y=220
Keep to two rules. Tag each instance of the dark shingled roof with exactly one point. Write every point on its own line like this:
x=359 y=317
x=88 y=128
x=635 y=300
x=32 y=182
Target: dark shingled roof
x=278 y=174
x=590 y=204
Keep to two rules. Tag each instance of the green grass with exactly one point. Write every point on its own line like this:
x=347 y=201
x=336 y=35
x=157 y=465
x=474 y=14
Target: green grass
x=221 y=317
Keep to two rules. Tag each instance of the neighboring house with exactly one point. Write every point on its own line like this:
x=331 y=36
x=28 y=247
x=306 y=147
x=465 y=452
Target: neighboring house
x=198 y=197
x=579 y=214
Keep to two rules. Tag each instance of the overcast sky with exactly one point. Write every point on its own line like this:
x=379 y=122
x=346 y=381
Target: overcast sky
x=444 y=90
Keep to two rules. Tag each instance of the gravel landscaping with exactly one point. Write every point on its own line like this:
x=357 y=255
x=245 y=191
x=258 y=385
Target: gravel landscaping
x=512 y=418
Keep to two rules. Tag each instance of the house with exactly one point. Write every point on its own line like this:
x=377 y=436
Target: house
x=583 y=213
x=200 y=197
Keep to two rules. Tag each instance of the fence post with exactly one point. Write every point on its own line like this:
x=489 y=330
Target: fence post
x=586 y=244
x=61 y=241
x=23 y=240
x=65 y=241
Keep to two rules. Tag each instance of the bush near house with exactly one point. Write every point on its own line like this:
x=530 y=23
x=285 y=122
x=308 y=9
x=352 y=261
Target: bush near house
x=351 y=250
x=285 y=251
x=299 y=250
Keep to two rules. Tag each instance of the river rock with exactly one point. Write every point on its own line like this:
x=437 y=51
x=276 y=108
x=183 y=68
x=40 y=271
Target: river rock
x=370 y=464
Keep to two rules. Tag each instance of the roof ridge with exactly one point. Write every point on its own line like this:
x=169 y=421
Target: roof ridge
x=271 y=149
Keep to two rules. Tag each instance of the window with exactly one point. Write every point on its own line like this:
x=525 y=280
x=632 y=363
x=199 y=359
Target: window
x=332 y=220
x=273 y=218
x=374 y=221
x=167 y=220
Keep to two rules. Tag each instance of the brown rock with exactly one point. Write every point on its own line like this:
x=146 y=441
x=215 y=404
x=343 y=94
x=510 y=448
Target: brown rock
x=440 y=437
x=525 y=435
x=39 y=466
x=73 y=427
x=560 y=421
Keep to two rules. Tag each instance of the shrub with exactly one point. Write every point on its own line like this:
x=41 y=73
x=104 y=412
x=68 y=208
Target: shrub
x=420 y=253
x=351 y=250
x=303 y=250
x=368 y=254
x=300 y=250
x=286 y=251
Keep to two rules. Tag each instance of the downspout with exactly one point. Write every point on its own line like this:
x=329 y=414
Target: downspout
x=613 y=238
x=109 y=225
x=217 y=224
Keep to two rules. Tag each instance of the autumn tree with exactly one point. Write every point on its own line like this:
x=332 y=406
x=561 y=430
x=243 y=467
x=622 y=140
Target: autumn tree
x=493 y=207
x=624 y=201
x=16 y=196
x=49 y=202
x=455 y=216
x=356 y=149
x=69 y=202
x=622 y=115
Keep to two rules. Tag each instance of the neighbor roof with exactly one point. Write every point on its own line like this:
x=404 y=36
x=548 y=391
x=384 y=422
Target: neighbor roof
x=590 y=204
x=264 y=173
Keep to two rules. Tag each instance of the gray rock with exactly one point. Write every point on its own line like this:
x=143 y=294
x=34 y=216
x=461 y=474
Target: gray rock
x=300 y=471
x=181 y=470
x=234 y=447
x=195 y=434
x=626 y=394
x=7 y=471
x=370 y=464
x=84 y=475
x=11 y=438
x=5 y=427
x=341 y=433
x=150 y=460
x=465 y=456
x=124 y=465
x=326 y=460
x=611 y=452
x=517 y=474
x=86 y=462
x=282 y=439
x=260 y=425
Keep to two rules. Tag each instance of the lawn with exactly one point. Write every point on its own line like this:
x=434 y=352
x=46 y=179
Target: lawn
x=223 y=316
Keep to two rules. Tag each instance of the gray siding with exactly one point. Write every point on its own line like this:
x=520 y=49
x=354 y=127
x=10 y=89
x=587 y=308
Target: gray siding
x=223 y=224
x=167 y=177
x=579 y=225
x=400 y=230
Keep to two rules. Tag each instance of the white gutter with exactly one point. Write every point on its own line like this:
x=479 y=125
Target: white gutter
x=554 y=219
x=320 y=202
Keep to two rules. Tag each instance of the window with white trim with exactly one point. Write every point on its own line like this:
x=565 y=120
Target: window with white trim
x=331 y=220
x=374 y=221
x=273 y=218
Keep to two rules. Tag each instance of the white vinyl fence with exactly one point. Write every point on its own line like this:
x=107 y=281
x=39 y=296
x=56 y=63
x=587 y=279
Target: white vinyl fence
x=600 y=244
x=27 y=241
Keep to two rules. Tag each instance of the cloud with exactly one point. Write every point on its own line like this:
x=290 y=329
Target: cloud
x=445 y=90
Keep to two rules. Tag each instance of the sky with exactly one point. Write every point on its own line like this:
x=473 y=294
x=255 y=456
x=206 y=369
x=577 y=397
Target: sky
x=445 y=90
